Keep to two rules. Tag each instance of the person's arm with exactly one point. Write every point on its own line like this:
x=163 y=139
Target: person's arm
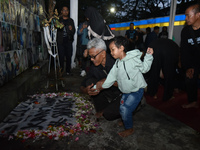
x=100 y=83
x=185 y=51
x=86 y=85
x=148 y=59
x=126 y=34
x=186 y=57
x=72 y=27
x=111 y=78
x=80 y=30
x=85 y=53
x=136 y=37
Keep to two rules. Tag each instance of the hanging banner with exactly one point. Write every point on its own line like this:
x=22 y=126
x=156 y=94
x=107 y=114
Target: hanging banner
x=48 y=39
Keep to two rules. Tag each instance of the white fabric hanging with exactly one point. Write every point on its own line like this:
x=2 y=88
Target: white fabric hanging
x=48 y=39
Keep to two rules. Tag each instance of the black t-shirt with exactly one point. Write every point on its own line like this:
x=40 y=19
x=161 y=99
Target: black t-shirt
x=190 y=52
x=65 y=28
x=131 y=34
x=140 y=37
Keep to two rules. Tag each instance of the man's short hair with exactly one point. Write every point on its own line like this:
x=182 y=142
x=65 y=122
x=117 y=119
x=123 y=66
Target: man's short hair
x=97 y=43
x=196 y=8
x=120 y=41
x=64 y=6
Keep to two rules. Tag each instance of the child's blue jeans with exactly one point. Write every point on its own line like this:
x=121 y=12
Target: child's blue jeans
x=128 y=104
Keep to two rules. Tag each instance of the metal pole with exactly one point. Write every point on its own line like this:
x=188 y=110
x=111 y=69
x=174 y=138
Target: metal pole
x=172 y=17
x=74 y=16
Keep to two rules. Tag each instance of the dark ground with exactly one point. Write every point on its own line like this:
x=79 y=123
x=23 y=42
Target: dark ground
x=153 y=129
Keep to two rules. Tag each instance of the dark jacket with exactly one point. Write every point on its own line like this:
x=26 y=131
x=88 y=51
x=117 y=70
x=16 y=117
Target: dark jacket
x=150 y=37
x=70 y=33
x=99 y=72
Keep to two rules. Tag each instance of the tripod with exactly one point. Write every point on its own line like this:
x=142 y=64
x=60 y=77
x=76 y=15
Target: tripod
x=50 y=39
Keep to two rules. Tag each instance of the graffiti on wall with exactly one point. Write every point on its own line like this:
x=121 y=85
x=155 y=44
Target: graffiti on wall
x=20 y=36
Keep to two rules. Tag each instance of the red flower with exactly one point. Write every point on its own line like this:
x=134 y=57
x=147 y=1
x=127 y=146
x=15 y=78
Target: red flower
x=50 y=137
x=122 y=101
x=93 y=131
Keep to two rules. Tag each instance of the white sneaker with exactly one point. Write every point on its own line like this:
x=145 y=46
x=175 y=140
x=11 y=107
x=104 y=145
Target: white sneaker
x=83 y=73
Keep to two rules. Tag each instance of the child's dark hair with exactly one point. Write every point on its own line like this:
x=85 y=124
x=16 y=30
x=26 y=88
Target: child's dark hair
x=120 y=41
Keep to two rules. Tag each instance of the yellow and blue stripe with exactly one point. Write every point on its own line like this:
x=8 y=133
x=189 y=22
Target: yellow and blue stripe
x=162 y=21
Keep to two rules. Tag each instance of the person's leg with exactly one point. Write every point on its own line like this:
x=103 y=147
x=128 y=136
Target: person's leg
x=128 y=104
x=111 y=112
x=61 y=53
x=68 y=51
x=107 y=102
x=154 y=77
x=191 y=88
x=100 y=102
x=83 y=60
x=169 y=70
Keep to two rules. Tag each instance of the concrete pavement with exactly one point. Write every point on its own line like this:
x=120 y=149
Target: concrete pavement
x=153 y=129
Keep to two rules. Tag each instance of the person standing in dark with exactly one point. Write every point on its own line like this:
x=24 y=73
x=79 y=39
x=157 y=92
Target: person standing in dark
x=190 y=53
x=163 y=33
x=132 y=36
x=83 y=33
x=148 y=30
x=166 y=56
x=140 y=41
x=65 y=37
x=152 y=36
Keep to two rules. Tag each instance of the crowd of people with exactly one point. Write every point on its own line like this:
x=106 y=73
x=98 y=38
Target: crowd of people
x=121 y=68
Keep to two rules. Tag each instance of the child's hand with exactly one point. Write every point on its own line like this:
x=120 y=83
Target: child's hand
x=149 y=50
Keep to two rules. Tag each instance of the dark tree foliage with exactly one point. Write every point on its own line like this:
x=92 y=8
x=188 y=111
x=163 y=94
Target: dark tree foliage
x=126 y=10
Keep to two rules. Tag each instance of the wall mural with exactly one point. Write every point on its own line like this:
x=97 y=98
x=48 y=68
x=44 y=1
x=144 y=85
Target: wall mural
x=21 y=44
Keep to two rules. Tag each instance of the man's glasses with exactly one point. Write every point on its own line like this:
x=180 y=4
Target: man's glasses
x=93 y=57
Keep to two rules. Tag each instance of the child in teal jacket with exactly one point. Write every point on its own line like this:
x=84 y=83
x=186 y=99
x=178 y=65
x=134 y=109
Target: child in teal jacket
x=127 y=71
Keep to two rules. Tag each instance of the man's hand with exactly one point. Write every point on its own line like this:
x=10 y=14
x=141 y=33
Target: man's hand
x=84 y=26
x=85 y=54
x=190 y=73
x=70 y=27
x=131 y=40
x=92 y=91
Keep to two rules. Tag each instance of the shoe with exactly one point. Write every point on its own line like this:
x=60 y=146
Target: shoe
x=83 y=73
x=191 y=105
x=69 y=74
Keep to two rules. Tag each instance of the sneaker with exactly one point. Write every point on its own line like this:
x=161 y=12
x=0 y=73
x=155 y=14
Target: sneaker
x=69 y=74
x=83 y=73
